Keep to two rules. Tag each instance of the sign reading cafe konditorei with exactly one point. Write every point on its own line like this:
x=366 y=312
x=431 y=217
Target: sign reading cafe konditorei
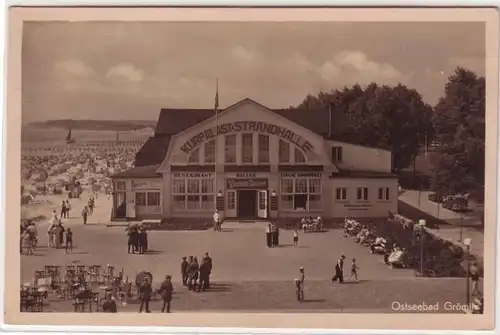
x=240 y=126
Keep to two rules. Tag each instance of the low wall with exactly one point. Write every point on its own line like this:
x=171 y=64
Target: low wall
x=181 y=224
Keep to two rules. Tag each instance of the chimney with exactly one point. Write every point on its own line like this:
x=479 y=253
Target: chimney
x=330 y=116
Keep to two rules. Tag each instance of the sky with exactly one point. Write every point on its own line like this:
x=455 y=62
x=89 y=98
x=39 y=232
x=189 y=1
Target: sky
x=130 y=70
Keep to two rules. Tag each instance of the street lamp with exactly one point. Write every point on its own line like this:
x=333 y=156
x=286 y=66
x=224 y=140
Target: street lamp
x=422 y=224
x=219 y=194
x=273 y=193
x=467 y=242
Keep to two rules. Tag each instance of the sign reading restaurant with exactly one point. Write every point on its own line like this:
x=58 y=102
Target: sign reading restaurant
x=241 y=126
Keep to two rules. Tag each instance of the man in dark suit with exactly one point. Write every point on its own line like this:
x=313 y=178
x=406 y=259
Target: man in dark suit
x=166 y=291
x=145 y=292
x=184 y=268
x=339 y=270
x=205 y=271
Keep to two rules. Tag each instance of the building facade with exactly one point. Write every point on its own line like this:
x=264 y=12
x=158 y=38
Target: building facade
x=254 y=162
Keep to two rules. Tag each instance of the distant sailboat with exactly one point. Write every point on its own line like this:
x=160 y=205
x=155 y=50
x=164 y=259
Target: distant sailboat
x=69 y=139
x=117 y=136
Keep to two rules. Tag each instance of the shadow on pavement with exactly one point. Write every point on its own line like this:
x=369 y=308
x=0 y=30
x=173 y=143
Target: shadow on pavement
x=314 y=300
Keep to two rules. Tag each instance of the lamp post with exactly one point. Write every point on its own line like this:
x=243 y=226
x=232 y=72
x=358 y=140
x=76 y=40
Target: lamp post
x=422 y=224
x=467 y=242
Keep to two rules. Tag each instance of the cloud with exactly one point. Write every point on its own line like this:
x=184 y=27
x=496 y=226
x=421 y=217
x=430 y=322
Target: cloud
x=125 y=71
x=242 y=54
x=356 y=66
x=73 y=68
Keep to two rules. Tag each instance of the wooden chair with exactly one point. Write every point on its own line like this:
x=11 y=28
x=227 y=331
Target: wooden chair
x=94 y=273
x=108 y=276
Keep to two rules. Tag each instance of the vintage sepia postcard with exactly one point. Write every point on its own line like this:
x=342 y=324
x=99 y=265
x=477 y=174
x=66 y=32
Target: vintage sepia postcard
x=252 y=167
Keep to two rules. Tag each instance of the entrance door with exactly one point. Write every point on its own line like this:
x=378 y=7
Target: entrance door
x=120 y=205
x=231 y=204
x=247 y=203
x=262 y=201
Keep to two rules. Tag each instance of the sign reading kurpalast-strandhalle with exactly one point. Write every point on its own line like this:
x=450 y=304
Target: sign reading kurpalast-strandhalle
x=239 y=126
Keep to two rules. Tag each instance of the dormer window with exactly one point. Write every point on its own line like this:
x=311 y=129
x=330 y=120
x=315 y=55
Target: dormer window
x=336 y=154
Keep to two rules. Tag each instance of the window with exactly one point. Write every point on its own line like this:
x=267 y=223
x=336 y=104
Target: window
x=147 y=198
x=300 y=193
x=210 y=152
x=362 y=193
x=230 y=149
x=193 y=194
x=341 y=193
x=153 y=198
x=336 y=154
x=284 y=152
x=263 y=148
x=231 y=200
x=247 y=148
x=299 y=156
x=383 y=193
x=195 y=156
x=121 y=186
x=140 y=199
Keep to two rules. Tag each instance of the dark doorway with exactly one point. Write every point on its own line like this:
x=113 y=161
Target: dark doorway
x=120 y=205
x=247 y=203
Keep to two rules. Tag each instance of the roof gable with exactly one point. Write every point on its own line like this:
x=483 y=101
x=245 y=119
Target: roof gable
x=173 y=121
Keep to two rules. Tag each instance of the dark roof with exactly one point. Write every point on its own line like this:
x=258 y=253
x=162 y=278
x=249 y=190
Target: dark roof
x=172 y=121
x=153 y=151
x=147 y=171
x=362 y=174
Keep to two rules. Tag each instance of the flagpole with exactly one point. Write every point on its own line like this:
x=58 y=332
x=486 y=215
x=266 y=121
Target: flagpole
x=216 y=109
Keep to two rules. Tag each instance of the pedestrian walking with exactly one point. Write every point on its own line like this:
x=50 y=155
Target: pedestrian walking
x=68 y=208
x=166 y=290
x=132 y=239
x=302 y=279
x=295 y=237
x=63 y=209
x=69 y=240
x=216 y=221
x=91 y=204
x=339 y=270
x=145 y=292
x=354 y=270
x=85 y=214
x=269 y=239
x=184 y=271
x=193 y=269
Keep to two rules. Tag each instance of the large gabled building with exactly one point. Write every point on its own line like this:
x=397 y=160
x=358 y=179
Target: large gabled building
x=260 y=163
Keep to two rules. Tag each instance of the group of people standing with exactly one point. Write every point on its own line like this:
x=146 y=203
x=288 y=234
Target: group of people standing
x=65 y=208
x=272 y=235
x=196 y=276
x=56 y=234
x=88 y=209
x=137 y=239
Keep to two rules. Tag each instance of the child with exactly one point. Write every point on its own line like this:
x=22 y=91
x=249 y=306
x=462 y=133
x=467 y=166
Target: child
x=295 y=238
x=354 y=270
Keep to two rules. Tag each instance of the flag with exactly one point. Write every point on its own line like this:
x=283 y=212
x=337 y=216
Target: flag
x=217 y=97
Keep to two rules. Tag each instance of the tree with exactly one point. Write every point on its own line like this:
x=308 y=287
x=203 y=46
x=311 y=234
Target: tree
x=459 y=126
x=393 y=118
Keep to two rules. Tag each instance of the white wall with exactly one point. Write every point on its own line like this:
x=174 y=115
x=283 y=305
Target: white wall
x=249 y=111
x=373 y=207
x=356 y=157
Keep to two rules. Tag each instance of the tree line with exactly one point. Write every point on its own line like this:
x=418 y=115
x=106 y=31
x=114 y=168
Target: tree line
x=398 y=119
